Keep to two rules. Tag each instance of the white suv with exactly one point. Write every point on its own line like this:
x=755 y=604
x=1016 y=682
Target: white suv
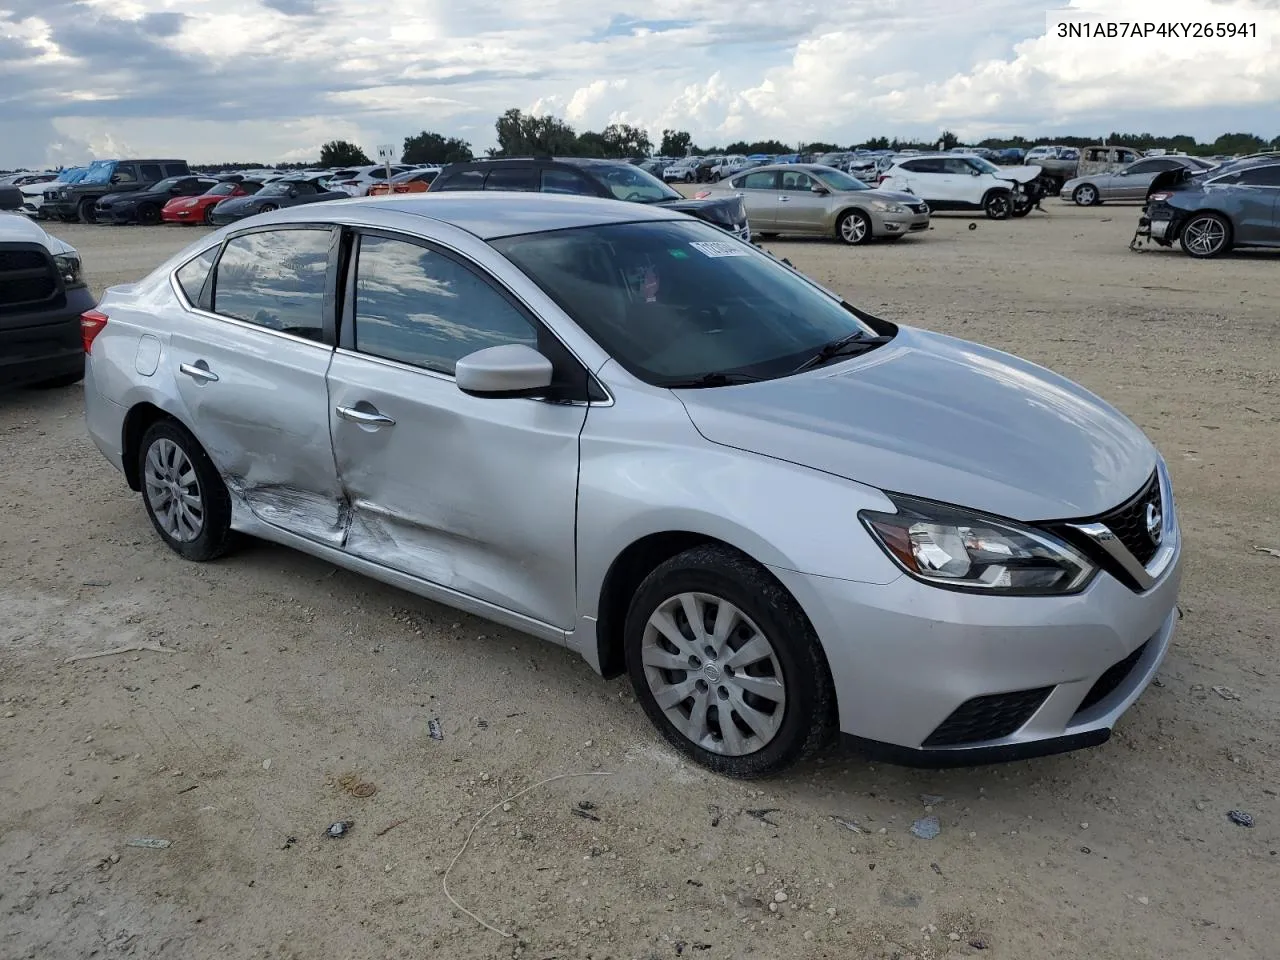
x=948 y=181
x=681 y=171
x=356 y=181
x=728 y=166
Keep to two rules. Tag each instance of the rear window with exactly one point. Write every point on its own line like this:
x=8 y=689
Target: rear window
x=463 y=180
x=275 y=279
x=176 y=169
x=192 y=275
x=151 y=171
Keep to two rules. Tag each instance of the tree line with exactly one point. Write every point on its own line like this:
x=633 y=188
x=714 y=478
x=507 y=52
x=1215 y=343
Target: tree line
x=522 y=134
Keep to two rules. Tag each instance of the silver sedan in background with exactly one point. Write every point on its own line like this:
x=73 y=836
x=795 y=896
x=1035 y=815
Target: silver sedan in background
x=618 y=429
x=811 y=199
x=1129 y=183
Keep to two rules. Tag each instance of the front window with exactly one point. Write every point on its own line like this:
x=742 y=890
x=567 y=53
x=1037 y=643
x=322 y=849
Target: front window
x=222 y=190
x=986 y=166
x=628 y=182
x=164 y=185
x=675 y=301
x=280 y=188
x=837 y=180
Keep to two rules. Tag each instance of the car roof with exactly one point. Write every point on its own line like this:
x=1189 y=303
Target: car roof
x=485 y=215
x=770 y=167
x=572 y=161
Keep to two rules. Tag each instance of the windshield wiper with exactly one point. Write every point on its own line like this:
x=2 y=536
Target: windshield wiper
x=850 y=346
x=712 y=380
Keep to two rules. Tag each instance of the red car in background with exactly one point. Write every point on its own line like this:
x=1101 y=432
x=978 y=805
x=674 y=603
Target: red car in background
x=193 y=210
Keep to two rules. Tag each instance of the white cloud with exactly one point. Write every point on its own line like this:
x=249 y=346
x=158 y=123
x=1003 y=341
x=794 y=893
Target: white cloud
x=216 y=78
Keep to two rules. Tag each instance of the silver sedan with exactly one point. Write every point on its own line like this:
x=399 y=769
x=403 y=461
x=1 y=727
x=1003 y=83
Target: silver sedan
x=1129 y=183
x=615 y=428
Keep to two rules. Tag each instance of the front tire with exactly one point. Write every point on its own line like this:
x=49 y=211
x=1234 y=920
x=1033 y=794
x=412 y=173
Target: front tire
x=1206 y=235
x=854 y=227
x=86 y=212
x=185 y=498
x=148 y=214
x=727 y=666
x=998 y=205
x=268 y=208
x=208 y=215
x=1086 y=195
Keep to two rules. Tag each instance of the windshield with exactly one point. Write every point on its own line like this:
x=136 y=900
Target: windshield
x=278 y=189
x=631 y=183
x=837 y=180
x=677 y=300
x=164 y=185
x=221 y=190
x=99 y=174
x=986 y=166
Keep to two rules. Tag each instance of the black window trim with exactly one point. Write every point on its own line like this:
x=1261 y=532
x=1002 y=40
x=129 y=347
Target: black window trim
x=593 y=185
x=593 y=392
x=329 y=318
x=775 y=174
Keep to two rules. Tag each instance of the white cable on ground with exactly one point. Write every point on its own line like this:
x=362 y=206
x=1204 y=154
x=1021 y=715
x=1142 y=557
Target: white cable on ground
x=475 y=826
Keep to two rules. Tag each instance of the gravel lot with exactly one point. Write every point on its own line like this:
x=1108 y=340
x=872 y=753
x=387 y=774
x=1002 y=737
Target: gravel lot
x=286 y=679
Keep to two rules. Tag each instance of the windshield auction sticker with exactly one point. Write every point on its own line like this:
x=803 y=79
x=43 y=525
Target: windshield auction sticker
x=717 y=248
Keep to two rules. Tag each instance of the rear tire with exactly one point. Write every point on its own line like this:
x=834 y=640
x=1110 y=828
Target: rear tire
x=183 y=494
x=759 y=666
x=1210 y=236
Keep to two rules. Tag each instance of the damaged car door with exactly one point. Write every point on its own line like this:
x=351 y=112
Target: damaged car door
x=477 y=495
x=250 y=365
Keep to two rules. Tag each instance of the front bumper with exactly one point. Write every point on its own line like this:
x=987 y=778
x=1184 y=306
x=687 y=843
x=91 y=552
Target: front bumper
x=939 y=678
x=43 y=346
x=115 y=214
x=184 y=215
x=58 y=209
x=898 y=224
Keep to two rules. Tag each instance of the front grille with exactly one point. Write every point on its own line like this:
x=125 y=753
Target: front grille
x=28 y=277
x=1109 y=681
x=988 y=718
x=1129 y=521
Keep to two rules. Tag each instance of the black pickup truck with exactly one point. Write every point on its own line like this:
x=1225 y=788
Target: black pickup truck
x=76 y=201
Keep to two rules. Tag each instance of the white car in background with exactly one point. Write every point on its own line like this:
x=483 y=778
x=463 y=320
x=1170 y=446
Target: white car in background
x=949 y=181
x=356 y=181
x=681 y=171
x=728 y=166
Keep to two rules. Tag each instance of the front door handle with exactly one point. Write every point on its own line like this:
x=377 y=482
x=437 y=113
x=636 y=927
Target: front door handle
x=784 y=199
x=198 y=371
x=369 y=418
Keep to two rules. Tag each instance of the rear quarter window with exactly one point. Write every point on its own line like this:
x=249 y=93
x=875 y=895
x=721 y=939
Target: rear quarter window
x=191 y=277
x=462 y=180
x=275 y=279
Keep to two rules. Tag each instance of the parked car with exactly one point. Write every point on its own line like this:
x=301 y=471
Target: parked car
x=33 y=193
x=146 y=206
x=1101 y=159
x=1130 y=183
x=951 y=182
x=199 y=209
x=1216 y=211
x=411 y=181
x=356 y=181
x=727 y=166
x=42 y=295
x=285 y=192
x=78 y=201
x=821 y=201
x=609 y=426
x=1057 y=164
x=680 y=171
x=613 y=179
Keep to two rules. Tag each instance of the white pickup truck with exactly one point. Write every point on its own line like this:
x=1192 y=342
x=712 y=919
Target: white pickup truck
x=42 y=295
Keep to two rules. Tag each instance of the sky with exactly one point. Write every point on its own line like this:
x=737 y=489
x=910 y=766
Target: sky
x=271 y=80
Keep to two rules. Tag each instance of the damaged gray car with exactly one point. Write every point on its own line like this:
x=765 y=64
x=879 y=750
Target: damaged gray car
x=615 y=427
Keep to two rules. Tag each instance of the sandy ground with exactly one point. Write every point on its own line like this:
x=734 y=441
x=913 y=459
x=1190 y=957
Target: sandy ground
x=286 y=678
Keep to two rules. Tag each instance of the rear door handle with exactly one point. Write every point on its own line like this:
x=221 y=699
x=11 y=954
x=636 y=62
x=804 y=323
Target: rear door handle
x=784 y=199
x=366 y=417
x=198 y=371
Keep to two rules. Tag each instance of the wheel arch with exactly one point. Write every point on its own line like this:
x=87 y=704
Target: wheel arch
x=1201 y=211
x=136 y=423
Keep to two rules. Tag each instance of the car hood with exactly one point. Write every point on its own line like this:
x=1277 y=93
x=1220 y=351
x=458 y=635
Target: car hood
x=727 y=212
x=943 y=419
x=1024 y=174
x=891 y=196
x=17 y=228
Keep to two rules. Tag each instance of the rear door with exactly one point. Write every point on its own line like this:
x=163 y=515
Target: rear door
x=477 y=495
x=759 y=193
x=249 y=357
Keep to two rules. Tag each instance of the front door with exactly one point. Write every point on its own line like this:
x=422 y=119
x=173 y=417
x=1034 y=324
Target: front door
x=799 y=208
x=250 y=362
x=477 y=495
x=759 y=193
x=1257 y=193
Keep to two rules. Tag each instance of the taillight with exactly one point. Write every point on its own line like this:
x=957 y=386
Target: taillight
x=1159 y=196
x=92 y=323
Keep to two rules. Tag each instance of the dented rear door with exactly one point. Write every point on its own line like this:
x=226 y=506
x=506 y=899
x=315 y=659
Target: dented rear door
x=477 y=495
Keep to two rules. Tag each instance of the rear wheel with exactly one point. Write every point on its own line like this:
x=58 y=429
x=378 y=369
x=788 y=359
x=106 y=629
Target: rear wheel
x=1206 y=235
x=185 y=498
x=854 y=227
x=726 y=664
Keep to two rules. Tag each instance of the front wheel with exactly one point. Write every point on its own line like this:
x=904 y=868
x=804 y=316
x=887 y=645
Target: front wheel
x=1022 y=205
x=1206 y=235
x=268 y=208
x=727 y=666
x=998 y=205
x=185 y=498
x=148 y=214
x=85 y=210
x=854 y=227
x=1086 y=195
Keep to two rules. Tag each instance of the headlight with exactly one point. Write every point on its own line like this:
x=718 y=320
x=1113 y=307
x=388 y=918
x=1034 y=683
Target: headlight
x=69 y=268
x=885 y=206
x=952 y=547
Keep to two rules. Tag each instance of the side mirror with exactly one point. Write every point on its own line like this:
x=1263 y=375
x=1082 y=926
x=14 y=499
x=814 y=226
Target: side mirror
x=175 y=189
x=293 y=193
x=512 y=370
x=10 y=198
x=974 y=173
x=819 y=189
